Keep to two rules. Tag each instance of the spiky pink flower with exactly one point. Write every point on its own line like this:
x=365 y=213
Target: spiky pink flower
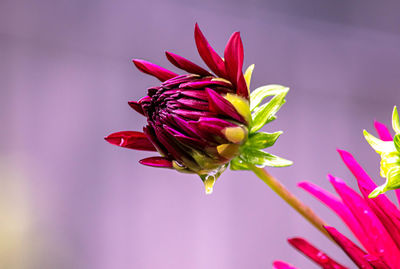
x=374 y=222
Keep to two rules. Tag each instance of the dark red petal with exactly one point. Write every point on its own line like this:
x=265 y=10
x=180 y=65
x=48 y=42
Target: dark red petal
x=151 y=134
x=315 y=254
x=157 y=162
x=208 y=54
x=234 y=57
x=193 y=115
x=351 y=249
x=282 y=265
x=195 y=94
x=131 y=139
x=193 y=103
x=383 y=131
x=205 y=83
x=234 y=64
x=136 y=106
x=186 y=65
x=152 y=69
x=185 y=126
x=242 y=89
x=222 y=106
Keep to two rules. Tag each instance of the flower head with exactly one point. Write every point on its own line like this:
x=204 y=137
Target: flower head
x=389 y=150
x=202 y=120
x=374 y=222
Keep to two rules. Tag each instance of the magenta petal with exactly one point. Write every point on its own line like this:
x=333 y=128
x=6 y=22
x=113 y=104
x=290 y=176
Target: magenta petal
x=157 y=162
x=386 y=211
x=383 y=131
x=282 y=265
x=131 y=139
x=351 y=249
x=186 y=65
x=382 y=243
x=152 y=69
x=315 y=254
x=136 y=106
x=376 y=263
x=222 y=106
x=208 y=54
x=339 y=208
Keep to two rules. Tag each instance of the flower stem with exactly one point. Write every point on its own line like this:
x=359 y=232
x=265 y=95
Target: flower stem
x=292 y=200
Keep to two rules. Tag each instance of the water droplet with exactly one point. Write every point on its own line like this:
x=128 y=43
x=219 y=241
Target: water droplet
x=211 y=177
x=209 y=184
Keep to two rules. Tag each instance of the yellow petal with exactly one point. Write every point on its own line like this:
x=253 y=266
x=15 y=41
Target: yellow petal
x=247 y=75
x=228 y=151
x=241 y=105
x=234 y=134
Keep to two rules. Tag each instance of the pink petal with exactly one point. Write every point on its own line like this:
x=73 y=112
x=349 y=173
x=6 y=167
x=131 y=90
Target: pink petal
x=351 y=249
x=376 y=262
x=282 y=265
x=157 y=162
x=383 y=131
x=186 y=65
x=208 y=54
x=382 y=244
x=386 y=211
x=131 y=139
x=152 y=69
x=219 y=104
x=339 y=208
x=234 y=64
x=136 y=106
x=315 y=254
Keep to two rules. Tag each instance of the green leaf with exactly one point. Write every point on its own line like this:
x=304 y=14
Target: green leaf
x=262 y=159
x=259 y=94
x=266 y=111
x=239 y=164
x=262 y=140
x=378 y=145
x=396 y=141
x=396 y=121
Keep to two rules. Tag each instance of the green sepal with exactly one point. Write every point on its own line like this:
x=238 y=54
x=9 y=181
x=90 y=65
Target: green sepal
x=263 y=114
x=262 y=140
x=261 y=158
x=396 y=121
x=238 y=164
x=392 y=183
x=378 y=145
x=259 y=94
x=396 y=142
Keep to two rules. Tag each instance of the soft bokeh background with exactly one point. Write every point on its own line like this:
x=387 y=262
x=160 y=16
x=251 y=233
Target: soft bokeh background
x=70 y=200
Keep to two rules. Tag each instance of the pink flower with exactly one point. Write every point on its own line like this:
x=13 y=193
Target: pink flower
x=374 y=222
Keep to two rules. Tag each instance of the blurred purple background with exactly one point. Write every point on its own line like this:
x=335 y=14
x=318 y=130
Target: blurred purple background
x=69 y=200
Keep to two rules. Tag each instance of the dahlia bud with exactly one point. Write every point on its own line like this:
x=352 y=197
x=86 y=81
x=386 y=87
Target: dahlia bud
x=389 y=150
x=201 y=121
